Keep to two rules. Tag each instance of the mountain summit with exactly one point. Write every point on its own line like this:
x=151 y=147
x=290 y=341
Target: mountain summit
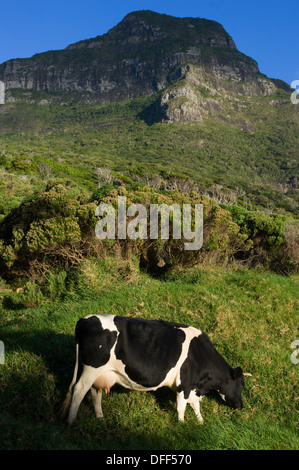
x=141 y=55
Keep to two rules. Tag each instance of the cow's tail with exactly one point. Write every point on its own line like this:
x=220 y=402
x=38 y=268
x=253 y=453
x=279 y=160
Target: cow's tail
x=66 y=404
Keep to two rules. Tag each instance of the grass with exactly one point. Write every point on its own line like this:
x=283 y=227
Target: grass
x=250 y=316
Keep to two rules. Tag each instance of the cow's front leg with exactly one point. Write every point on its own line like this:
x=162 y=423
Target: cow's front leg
x=181 y=405
x=195 y=405
x=97 y=402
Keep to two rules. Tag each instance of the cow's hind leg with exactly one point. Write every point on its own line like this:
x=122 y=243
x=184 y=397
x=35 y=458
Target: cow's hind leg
x=97 y=402
x=81 y=388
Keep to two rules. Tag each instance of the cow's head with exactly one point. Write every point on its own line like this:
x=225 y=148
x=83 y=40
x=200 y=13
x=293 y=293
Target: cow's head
x=231 y=388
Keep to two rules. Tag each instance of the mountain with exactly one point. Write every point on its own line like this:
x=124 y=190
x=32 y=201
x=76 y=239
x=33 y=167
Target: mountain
x=157 y=99
x=139 y=56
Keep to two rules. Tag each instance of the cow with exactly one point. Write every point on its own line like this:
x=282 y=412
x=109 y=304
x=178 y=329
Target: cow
x=144 y=354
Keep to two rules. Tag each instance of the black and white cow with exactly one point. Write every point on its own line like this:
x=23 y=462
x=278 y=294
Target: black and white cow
x=146 y=355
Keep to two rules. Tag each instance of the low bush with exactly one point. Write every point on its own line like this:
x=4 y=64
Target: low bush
x=50 y=228
x=274 y=239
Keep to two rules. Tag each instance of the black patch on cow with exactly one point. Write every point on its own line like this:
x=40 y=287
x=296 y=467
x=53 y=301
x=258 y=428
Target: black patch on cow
x=204 y=368
x=148 y=348
x=95 y=342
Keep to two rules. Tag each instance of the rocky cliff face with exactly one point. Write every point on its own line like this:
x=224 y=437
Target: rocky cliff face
x=145 y=53
x=196 y=93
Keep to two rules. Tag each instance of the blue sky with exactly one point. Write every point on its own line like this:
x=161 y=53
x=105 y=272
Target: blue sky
x=266 y=30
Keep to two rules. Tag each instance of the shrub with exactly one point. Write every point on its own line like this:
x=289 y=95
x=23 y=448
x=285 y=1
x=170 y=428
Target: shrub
x=274 y=239
x=288 y=257
x=23 y=164
x=54 y=226
x=220 y=234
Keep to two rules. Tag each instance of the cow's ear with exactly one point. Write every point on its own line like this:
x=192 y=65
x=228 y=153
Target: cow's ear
x=238 y=372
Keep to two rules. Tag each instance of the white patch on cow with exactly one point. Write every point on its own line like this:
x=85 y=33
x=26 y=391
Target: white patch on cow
x=191 y=333
x=106 y=320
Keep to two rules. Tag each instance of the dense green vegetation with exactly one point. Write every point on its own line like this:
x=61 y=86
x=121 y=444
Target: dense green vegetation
x=253 y=167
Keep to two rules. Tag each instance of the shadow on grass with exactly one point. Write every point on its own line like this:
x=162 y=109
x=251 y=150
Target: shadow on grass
x=37 y=372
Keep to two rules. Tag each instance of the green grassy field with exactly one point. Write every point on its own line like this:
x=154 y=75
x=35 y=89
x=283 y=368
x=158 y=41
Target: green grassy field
x=250 y=316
